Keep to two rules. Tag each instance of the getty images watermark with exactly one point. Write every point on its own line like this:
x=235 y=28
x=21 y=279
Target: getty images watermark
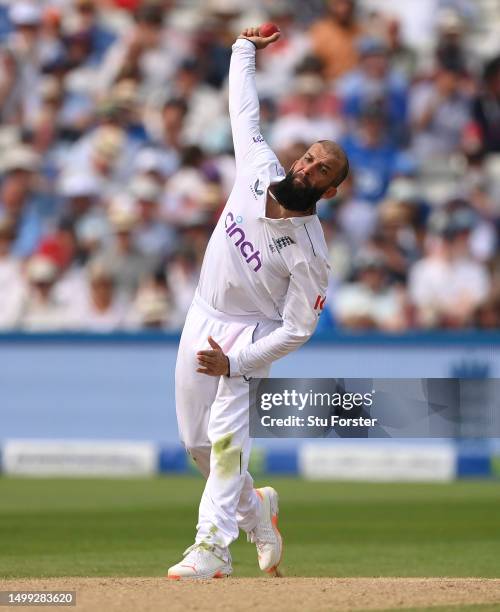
x=374 y=408
x=311 y=400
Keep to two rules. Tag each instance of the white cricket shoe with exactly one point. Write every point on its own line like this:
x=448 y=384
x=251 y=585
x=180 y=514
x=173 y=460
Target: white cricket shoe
x=266 y=535
x=200 y=561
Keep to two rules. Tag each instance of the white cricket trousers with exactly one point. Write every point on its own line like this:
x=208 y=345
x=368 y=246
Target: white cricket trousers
x=213 y=420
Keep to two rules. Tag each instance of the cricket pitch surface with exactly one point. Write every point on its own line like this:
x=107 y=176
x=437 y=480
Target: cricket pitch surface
x=266 y=593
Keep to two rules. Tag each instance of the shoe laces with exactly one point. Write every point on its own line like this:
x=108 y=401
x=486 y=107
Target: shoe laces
x=260 y=536
x=199 y=548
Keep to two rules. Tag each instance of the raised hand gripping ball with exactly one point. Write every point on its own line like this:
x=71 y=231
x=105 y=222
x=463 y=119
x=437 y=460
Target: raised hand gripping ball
x=268 y=29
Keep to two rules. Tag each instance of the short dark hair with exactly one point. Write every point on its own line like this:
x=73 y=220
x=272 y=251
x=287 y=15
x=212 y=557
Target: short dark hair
x=339 y=154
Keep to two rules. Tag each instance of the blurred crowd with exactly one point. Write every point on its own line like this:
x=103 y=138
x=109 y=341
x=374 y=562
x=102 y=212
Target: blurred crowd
x=116 y=154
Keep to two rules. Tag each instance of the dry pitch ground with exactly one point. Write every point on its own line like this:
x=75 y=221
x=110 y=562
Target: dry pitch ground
x=262 y=594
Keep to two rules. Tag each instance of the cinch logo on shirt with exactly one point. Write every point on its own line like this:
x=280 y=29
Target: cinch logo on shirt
x=246 y=248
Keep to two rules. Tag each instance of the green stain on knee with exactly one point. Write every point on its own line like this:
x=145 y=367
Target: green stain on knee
x=228 y=458
x=222 y=444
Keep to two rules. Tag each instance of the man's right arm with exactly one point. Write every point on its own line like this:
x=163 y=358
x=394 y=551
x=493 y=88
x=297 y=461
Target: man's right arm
x=244 y=110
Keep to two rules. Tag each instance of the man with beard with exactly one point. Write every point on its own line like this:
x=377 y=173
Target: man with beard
x=261 y=290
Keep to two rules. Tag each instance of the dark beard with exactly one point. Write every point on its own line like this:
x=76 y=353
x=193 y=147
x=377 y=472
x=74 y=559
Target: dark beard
x=300 y=198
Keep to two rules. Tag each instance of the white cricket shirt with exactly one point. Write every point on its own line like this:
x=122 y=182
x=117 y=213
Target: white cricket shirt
x=273 y=269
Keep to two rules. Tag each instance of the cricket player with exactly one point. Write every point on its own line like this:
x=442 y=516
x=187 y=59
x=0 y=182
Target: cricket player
x=261 y=290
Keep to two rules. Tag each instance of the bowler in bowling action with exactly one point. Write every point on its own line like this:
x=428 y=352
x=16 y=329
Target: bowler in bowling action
x=261 y=290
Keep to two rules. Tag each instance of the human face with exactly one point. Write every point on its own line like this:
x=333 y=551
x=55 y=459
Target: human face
x=102 y=291
x=15 y=188
x=372 y=131
x=447 y=82
x=308 y=180
x=342 y=11
x=376 y=65
x=315 y=169
x=373 y=278
x=150 y=34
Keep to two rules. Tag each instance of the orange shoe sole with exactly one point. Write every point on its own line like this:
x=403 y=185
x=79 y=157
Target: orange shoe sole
x=274 y=569
x=216 y=576
x=274 y=520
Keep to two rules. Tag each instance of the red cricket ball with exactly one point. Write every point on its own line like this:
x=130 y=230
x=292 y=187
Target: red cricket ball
x=268 y=29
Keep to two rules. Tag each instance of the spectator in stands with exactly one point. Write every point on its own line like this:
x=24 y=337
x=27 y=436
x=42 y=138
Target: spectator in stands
x=334 y=38
x=60 y=245
x=356 y=218
x=11 y=283
x=44 y=124
x=18 y=198
x=203 y=102
x=447 y=285
x=139 y=54
x=478 y=183
x=80 y=191
x=395 y=237
x=77 y=82
x=403 y=56
x=40 y=309
x=374 y=79
x=154 y=312
x=167 y=129
x=104 y=155
x=487 y=313
x=121 y=109
x=439 y=113
x=153 y=307
x=450 y=46
x=479 y=227
x=311 y=115
x=182 y=204
x=86 y=19
x=370 y=302
x=128 y=266
x=279 y=62
x=101 y=310
x=51 y=34
x=372 y=157
x=153 y=237
x=486 y=107
x=21 y=60
x=155 y=163
x=401 y=228
x=182 y=278
x=212 y=42
x=92 y=235
x=126 y=101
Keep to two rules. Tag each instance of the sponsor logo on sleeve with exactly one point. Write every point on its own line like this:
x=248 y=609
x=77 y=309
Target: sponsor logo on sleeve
x=279 y=170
